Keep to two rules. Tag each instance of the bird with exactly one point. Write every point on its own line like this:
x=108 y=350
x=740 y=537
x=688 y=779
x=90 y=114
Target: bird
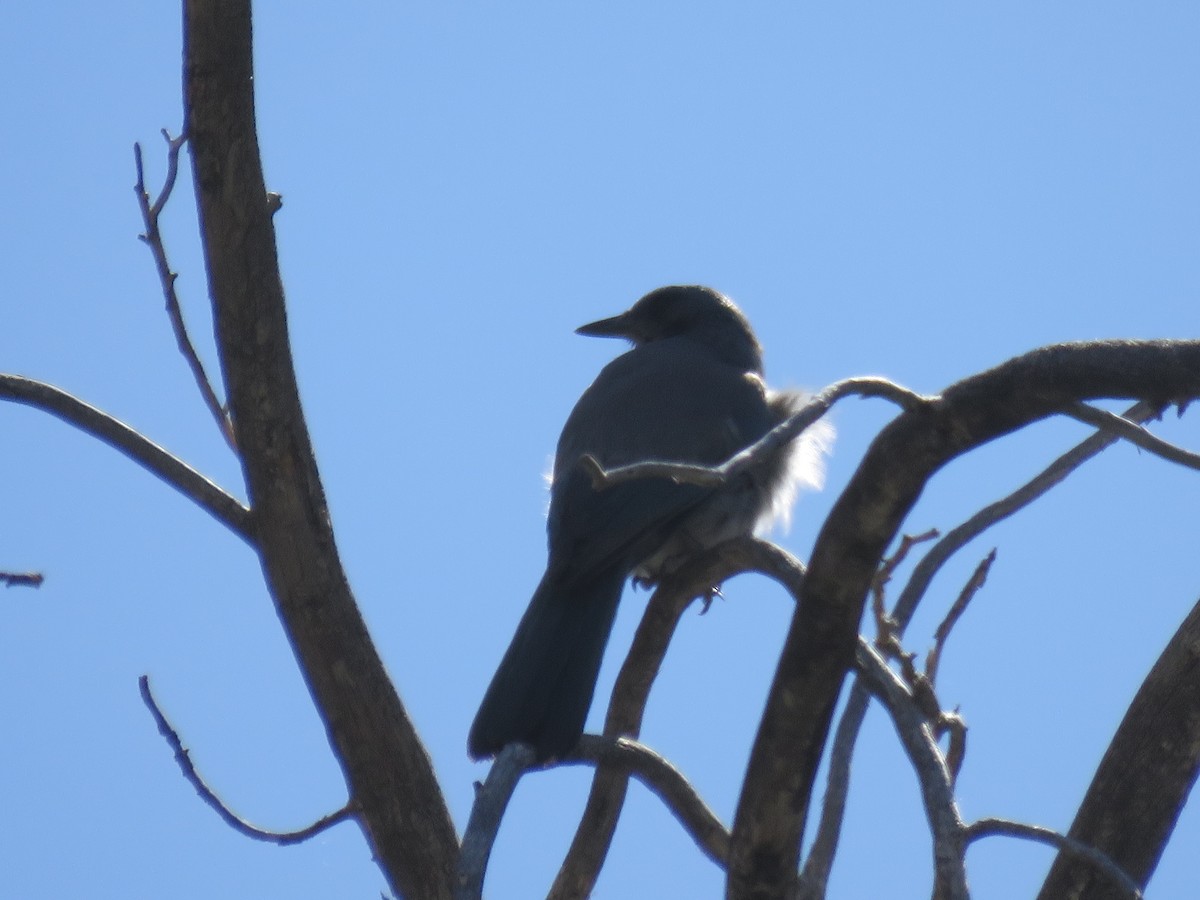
x=690 y=390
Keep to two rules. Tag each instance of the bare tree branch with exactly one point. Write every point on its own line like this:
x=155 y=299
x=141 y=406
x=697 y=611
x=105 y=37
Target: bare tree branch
x=1066 y=845
x=491 y=801
x=1145 y=777
x=977 y=580
x=153 y=239
x=401 y=806
x=22 y=579
x=1054 y=474
x=1133 y=433
x=820 y=860
x=623 y=754
x=937 y=789
x=238 y=824
x=817 y=406
x=663 y=780
x=884 y=625
x=589 y=848
x=819 y=647
x=178 y=474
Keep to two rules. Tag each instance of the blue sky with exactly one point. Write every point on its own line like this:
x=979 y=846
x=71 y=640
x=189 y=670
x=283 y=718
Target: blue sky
x=917 y=191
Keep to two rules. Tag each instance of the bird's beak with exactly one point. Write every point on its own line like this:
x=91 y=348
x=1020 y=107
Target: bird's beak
x=617 y=326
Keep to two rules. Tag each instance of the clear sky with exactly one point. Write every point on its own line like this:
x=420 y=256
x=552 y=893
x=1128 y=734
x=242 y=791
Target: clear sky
x=918 y=191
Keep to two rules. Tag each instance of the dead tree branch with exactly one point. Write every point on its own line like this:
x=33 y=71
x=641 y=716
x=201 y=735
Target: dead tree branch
x=152 y=237
x=1145 y=777
x=1133 y=433
x=820 y=860
x=391 y=778
x=816 y=407
x=622 y=754
x=22 y=579
x=230 y=818
x=937 y=787
x=1068 y=846
x=960 y=536
x=593 y=837
x=212 y=499
x=977 y=580
x=819 y=648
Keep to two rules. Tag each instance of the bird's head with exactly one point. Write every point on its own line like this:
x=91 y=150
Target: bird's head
x=693 y=312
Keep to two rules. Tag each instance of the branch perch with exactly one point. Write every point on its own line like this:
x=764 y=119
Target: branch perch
x=707 y=476
x=593 y=837
x=630 y=757
x=819 y=648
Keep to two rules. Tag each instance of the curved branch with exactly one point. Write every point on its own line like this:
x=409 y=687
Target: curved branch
x=1054 y=474
x=820 y=859
x=230 y=818
x=663 y=780
x=178 y=474
x=491 y=800
x=1133 y=433
x=401 y=807
x=577 y=876
x=627 y=756
x=816 y=407
x=1145 y=777
x=1089 y=856
x=819 y=648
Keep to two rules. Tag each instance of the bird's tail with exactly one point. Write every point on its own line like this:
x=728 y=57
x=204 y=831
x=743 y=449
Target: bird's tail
x=541 y=693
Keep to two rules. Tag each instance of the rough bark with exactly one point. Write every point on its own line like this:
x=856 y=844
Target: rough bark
x=1144 y=779
x=819 y=648
x=388 y=771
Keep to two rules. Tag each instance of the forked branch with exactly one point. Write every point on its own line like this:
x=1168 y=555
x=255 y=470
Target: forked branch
x=167 y=277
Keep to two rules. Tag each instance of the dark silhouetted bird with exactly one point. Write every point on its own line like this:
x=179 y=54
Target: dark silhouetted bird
x=690 y=390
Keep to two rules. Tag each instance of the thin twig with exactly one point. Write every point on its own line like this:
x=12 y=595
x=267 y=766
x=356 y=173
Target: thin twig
x=963 y=534
x=22 y=579
x=954 y=725
x=883 y=622
x=708 y=476
x=152 y=237
x=970 y=589
x=1133 y=433
x=991 y=827
x=208 y=496
x=206 y=793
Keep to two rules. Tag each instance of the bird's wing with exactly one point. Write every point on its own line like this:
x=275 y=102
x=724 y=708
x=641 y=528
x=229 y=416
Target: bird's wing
x=665 y=400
